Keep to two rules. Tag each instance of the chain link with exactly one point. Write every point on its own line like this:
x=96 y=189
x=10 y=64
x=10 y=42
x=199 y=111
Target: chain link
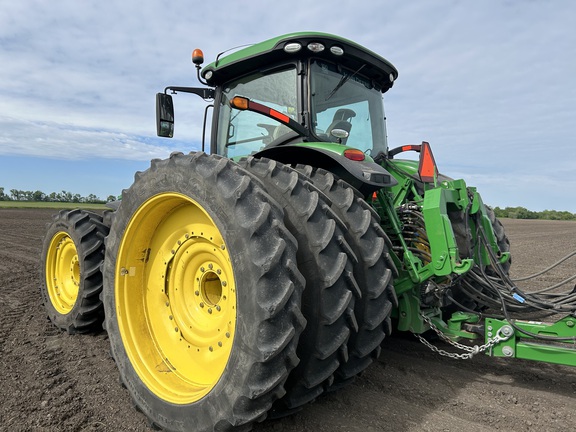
x=470 y=351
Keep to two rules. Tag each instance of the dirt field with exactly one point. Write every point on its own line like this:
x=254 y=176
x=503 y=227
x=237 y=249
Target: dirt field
x=54 y=382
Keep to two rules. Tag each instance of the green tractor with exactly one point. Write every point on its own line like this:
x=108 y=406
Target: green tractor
x=241 y=283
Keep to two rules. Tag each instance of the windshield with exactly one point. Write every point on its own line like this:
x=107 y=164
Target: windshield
x=242 y=133
x=344 y=99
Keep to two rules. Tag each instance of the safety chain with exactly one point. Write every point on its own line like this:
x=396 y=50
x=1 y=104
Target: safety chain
x=503 y=334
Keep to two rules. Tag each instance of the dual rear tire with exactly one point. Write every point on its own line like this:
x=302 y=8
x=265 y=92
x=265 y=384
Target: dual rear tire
x=231 y=291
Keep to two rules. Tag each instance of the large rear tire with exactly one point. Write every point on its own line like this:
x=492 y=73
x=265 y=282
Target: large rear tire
x=373 y=270
x=201 y=295
x=325 y=260
x=72 y=254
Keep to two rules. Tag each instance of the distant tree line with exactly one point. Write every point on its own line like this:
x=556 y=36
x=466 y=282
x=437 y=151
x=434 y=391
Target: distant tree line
x=38 y=196
x=65 y=196
x=522 y=213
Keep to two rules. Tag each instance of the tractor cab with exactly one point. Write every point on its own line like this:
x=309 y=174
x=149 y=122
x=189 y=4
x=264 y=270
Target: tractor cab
x=328 y=85
x=310 y=93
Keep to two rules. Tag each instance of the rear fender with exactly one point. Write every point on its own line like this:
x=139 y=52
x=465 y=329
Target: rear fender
x=366 y=176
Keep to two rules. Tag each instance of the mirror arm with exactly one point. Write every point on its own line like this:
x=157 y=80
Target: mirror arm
x=198 y=75
x=204 y=93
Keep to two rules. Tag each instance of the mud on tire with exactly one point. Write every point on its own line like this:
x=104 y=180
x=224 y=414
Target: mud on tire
x=201 y=295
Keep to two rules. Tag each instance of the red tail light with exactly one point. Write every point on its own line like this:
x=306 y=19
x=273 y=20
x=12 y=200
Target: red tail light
x=354 y=154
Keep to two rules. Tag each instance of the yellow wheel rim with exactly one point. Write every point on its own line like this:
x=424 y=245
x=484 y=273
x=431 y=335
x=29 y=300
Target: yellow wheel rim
x=62 y=272
x=175 y=298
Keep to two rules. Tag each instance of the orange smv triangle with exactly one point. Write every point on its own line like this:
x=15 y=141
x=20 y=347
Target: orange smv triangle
x=427 y=168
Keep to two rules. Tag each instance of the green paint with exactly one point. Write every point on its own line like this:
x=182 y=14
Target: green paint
x=267 y=46
x=524 y=346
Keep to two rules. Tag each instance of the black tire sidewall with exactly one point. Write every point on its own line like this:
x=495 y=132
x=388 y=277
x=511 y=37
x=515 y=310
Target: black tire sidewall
x=219 y=402
x=64 y=222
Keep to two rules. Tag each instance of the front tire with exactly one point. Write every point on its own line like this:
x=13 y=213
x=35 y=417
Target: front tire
x=201 y=295
x=72 y=253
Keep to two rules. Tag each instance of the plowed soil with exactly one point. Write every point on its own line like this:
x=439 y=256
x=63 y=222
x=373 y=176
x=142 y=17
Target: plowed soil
x=50 y=381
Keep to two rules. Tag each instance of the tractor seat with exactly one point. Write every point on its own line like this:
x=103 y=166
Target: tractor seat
x=341 y=120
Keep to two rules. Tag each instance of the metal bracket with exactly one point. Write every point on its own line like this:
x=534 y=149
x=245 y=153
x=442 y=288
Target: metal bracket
x=557 y=343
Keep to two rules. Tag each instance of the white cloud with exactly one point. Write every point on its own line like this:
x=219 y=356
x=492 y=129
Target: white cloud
x=68 y=142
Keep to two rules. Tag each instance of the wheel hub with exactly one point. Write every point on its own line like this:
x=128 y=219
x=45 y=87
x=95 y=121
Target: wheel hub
x=62 y=272
x=199 y=296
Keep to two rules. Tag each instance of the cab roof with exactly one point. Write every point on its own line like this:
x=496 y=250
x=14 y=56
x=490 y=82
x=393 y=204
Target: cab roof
x=266 y=54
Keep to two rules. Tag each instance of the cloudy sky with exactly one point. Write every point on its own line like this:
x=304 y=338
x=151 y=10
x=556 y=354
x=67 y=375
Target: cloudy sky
x=490 y=84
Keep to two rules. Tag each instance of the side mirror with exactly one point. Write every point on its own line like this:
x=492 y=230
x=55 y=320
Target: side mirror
x=164 y=115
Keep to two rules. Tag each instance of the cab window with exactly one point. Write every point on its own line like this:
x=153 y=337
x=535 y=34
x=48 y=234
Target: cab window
x=344 y=99
x=241 y=133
